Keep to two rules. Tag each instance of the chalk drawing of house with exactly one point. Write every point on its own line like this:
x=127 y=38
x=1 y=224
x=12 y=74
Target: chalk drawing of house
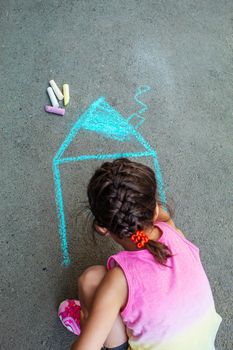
x=103 y=120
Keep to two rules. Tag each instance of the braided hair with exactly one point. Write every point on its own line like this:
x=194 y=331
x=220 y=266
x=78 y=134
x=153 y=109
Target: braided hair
x=122 y=198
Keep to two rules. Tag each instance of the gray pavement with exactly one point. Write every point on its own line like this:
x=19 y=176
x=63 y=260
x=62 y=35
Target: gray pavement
x=183 y=50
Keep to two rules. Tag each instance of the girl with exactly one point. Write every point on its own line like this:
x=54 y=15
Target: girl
x=155 y=294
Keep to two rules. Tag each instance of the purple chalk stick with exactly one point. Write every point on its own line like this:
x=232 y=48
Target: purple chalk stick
x=55 y=110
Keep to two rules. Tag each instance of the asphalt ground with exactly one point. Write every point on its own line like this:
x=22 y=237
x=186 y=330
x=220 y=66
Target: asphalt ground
x=183 y=50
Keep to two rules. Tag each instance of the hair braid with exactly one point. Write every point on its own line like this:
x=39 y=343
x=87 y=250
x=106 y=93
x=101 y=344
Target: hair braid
x=122 y=197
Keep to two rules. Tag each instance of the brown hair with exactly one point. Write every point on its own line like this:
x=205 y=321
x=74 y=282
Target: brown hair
x=122 y=198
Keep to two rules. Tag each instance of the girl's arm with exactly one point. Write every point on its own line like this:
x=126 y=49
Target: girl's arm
x=110 y=297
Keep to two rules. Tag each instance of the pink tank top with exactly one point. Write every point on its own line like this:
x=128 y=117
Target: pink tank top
x=168 y=308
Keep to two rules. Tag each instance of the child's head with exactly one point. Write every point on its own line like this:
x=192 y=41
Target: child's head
x=122 y=196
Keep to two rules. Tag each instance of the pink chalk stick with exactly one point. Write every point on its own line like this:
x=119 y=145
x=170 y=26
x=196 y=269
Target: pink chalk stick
x=55 y=110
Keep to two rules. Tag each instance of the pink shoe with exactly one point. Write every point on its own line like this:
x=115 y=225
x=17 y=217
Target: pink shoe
x=69 y=313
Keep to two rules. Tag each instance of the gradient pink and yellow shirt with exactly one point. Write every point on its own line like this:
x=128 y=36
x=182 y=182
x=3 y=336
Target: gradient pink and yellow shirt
x=168 y=308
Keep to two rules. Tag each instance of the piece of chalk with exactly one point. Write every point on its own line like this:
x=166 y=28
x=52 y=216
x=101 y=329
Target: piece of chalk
x=52 y=97
x=55 y=110
x=56 y=90
x=66 y=92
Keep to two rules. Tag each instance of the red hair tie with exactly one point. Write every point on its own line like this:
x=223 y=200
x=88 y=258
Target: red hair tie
x=139 y=238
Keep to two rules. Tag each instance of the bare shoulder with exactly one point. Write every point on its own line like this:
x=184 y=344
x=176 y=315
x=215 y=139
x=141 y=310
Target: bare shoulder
x=116 y=274
x=171 y=223
x=165 y=217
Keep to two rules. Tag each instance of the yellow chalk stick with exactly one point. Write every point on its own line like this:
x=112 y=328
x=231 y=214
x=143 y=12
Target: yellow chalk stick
x=66 y=92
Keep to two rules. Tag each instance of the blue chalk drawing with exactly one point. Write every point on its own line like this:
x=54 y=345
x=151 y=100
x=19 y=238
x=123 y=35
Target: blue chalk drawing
x=101 y=118
x=140 y=91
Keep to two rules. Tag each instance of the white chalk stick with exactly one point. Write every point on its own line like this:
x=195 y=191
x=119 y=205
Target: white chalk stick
x=56 y=90
x=52 y=97
x=66 y=92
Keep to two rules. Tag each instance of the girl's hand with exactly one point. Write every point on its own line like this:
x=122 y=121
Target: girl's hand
x=110 y=298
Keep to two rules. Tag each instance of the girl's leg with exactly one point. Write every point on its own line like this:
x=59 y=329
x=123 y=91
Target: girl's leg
x=87 y=285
